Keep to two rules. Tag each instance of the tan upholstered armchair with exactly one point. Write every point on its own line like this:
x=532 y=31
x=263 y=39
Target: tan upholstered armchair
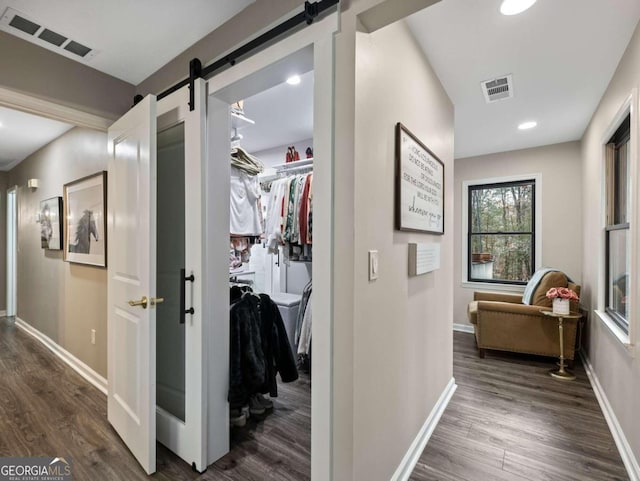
x=503 y=323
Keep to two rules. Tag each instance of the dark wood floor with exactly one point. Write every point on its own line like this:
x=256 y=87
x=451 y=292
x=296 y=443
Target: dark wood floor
x=509 y=420
x=47 y=409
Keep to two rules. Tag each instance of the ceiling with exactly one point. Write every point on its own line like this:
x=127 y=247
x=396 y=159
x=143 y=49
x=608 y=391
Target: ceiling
x=21 y=134
x=550 y=50
x=561 y=53
x=133 y=39
x=282 y=114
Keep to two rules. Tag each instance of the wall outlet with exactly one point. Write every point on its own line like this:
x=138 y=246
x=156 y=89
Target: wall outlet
x=93 y=336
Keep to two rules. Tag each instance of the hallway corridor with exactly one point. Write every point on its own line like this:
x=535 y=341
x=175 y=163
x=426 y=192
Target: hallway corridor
x=510 y=421
x=47 y=409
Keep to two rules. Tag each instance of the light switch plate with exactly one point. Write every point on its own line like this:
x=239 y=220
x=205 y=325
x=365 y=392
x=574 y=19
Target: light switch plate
x=374 y=265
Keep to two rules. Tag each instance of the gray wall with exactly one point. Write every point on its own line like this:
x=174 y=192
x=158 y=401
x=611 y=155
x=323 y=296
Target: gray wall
x=560 y=166
x=62 y=300
x=617 y=368
x=36 y=71
x=402 y=351
x=235 y=32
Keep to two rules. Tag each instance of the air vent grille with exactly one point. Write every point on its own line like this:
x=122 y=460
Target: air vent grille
x=77 y=48
x=52 y=37
x=24 y=25
x=20 y=25
x=500 y=88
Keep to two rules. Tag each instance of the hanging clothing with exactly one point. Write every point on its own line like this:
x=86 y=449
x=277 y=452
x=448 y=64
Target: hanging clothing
x=304 y=211
x=259 y=349
x=247 y=368
x=304 y=302
x=289 y=215
x=276 y=347
x=273 y=229
x=304 y=345
x=245 y=215
x=243 y=160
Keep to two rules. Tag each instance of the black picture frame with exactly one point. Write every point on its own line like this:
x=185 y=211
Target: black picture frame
x=419 y=185
x=50 y=217
x=85 y=220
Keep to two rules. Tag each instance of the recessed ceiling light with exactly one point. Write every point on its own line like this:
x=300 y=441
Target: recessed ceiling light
x=293 y=80
x=527 y=125
x=514 y=7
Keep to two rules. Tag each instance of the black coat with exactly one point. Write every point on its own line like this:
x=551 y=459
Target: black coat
x=259 y=349
x=276 y=347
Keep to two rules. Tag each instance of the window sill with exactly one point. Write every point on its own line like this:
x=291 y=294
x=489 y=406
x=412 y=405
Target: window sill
x=491 y=286
x=615 y=330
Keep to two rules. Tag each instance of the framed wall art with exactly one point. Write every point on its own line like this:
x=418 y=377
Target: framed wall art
x=419 y=185
x=51 y=224
x=85 y=202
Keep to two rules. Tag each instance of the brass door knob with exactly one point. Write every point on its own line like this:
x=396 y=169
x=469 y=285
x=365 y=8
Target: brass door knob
x=142 y=302
x=157 y=300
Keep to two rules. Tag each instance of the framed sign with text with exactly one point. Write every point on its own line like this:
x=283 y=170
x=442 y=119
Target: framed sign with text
x=419 y=185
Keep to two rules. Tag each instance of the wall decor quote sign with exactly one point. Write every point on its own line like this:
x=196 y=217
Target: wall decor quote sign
x=85 y=202
x=419 y=185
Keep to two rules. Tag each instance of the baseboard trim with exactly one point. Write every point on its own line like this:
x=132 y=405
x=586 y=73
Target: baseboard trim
x=626 y=453
x=417 y=446
x=463 y=328
x=76 y=364
x=3 y=313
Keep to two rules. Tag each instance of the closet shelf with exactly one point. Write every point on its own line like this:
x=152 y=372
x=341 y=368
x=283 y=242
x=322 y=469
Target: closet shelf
x=298 y=164
x=239 y=120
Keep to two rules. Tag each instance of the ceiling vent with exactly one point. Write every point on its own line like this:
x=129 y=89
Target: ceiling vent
x=21 y=25
x=499 y=88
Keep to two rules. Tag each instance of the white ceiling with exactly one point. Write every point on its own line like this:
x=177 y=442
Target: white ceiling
x=562 y=54
x=21 y=134
x=283 y=114
x=133 y=38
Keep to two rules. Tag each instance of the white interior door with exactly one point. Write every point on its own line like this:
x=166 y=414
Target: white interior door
x=12 y=252
x=131 y=234
x=181 y=422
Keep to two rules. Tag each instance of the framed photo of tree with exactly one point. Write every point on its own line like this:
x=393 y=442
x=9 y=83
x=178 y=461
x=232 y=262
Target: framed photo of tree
x=85 y=233
x=419 y=185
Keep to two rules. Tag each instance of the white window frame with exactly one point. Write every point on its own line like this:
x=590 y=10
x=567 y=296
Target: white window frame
x=496 y=286
x=627 y=339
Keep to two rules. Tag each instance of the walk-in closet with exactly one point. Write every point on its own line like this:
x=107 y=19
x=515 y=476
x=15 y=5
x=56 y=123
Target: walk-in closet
x=270 y=259
x=211 y=294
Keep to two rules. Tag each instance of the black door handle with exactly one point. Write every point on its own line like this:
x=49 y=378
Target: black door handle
x=183 y=294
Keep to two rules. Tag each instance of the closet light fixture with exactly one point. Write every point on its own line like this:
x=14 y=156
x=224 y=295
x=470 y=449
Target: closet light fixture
x=527 y=125
x=514 y=7
x=293 y=80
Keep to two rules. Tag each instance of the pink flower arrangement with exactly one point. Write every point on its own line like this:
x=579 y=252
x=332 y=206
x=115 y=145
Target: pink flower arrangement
x=562 y=293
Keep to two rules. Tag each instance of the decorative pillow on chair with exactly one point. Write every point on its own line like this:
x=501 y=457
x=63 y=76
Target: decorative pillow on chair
x=549 y=279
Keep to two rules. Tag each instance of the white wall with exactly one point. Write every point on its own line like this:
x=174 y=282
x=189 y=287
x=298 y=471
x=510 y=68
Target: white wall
x=560 y=166
x=277 y=155
x=402 y=326
x=616 y=368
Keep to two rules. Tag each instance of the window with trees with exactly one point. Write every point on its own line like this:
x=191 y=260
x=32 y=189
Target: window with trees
x=501 y=232
x=617 y=231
